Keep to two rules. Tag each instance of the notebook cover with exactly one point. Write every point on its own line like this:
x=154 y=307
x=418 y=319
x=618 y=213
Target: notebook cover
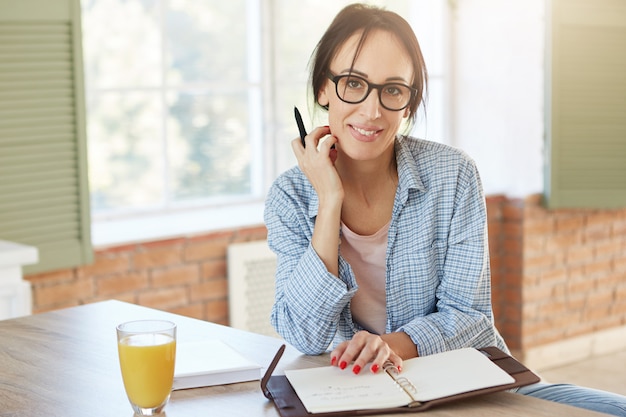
x=278 y=389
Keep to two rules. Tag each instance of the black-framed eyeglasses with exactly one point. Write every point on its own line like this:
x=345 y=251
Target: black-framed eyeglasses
x=354 y=89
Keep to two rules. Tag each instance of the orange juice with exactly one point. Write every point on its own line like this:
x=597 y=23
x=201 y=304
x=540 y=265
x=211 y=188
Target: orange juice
x=147 y=363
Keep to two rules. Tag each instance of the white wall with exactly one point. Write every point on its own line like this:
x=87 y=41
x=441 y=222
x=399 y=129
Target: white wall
x=498 y=98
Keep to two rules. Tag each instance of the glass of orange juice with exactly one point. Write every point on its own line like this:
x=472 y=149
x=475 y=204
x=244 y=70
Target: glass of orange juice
x=147 y=351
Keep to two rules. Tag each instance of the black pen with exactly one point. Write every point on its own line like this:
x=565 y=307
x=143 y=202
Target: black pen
x=301 y=128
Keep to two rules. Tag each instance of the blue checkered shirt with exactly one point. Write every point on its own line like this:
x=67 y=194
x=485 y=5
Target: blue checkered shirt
x=438 y=284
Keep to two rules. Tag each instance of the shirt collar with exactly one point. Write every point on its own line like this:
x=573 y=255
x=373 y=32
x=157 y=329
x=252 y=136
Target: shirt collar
x=408 y=177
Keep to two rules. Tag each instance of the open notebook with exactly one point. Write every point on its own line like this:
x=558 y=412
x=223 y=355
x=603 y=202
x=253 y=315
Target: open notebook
x=424 y=382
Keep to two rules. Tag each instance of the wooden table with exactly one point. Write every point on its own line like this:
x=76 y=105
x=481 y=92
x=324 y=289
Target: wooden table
x=64 y=363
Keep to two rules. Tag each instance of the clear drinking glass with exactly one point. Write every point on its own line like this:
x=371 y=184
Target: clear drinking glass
x=147 y=352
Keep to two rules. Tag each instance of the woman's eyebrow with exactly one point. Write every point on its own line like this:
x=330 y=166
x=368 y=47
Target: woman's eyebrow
x=364 y=75
x=354 y=71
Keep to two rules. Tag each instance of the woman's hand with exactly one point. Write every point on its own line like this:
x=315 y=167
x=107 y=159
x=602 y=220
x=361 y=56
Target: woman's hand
x=362 y=349
x=317 y=161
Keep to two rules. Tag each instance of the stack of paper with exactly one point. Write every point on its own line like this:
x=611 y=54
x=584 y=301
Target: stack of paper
x=211 y=362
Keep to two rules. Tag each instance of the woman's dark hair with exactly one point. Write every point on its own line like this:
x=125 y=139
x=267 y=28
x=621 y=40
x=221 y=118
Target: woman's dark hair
x=363 y=18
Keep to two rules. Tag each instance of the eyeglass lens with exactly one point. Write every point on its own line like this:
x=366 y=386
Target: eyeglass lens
x=354 y=89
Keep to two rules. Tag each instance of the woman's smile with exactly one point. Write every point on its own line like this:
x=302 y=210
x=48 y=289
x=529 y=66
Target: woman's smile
x=365 y=134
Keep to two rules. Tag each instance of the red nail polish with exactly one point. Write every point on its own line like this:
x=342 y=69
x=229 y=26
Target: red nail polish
x=333 y=361
x=374 y=368
x=399 y=368
x=356 y=369
x=343 y=365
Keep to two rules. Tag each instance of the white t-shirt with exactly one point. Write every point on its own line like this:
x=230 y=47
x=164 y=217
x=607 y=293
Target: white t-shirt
x=366 y=255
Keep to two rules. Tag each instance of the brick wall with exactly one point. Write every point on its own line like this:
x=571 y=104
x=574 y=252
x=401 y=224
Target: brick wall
x=556 y=274
x=505 y=249
x=186 y=276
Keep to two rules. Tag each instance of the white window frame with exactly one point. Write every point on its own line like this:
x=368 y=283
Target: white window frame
x=431 y=25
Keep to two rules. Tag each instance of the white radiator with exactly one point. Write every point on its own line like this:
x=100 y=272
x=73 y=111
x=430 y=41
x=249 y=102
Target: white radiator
x=251 y=268
x=15 y=292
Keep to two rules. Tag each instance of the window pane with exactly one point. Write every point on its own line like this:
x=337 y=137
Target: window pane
x=209 y=145
x=190 y=102
x=206 y=41
x=300 y=25
x=125 y=150
x=119 y=54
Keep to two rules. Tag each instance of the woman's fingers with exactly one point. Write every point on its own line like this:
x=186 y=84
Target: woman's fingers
x=297 y=148
x=364 y=349
x=380 y=361
x=360 y=350
x=314 y=140
x=338 y=356
x=319 y=167
x=321 y=142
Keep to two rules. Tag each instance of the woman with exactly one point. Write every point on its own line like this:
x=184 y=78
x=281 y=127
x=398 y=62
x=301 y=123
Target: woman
x=381 y=238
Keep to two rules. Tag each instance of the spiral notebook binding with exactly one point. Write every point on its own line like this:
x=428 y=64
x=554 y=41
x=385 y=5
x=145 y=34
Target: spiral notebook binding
x=388 y=367
x=402 y=382
x=406 y=385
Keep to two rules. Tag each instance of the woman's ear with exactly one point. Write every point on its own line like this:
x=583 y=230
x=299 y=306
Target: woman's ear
x=322 y=96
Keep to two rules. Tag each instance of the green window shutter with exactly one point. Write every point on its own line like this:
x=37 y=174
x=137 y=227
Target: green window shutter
x=44 y=194
x=586 y=104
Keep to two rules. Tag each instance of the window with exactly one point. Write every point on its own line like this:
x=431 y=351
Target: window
x=174 y=104
x=190 y=106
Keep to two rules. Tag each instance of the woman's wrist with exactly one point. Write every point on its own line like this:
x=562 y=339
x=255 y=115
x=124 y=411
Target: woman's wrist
x=402 y=344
